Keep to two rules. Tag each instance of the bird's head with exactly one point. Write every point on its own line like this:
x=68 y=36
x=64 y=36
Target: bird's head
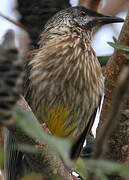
x=74 y=18
x=87 y=19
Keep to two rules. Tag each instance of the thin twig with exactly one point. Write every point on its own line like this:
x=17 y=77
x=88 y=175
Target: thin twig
x=14 y=22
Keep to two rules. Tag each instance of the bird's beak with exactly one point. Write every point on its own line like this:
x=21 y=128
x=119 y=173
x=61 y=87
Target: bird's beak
x=108 y=19
x=101 y=20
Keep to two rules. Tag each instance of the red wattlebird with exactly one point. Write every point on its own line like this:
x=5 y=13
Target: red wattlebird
x=65 y=81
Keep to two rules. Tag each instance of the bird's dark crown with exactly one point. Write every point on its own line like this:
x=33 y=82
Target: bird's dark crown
x=74 y=19
x=80 y=16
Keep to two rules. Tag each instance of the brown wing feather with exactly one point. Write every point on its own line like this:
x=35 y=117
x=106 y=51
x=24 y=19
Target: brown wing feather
x=27 y=67
x=77 y=146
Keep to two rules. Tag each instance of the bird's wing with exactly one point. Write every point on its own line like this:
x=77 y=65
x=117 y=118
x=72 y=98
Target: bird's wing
x=27 y=67
x=77 y=146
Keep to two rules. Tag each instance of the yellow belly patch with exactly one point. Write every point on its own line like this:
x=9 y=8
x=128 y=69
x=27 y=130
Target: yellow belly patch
x=56 y=119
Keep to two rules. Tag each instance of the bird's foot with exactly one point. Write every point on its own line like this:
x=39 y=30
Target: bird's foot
x=45 y=128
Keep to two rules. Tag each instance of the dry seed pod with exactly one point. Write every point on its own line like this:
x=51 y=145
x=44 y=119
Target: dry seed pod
x=11 y=77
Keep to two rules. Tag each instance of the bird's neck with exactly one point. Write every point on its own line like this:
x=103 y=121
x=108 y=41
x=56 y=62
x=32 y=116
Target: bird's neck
x=57 y=32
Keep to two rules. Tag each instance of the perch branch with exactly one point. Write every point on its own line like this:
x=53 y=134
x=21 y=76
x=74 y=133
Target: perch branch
x=112 y=71
x=119 y=138
x=109 y=124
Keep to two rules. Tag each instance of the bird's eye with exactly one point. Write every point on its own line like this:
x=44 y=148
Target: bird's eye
x=82 y=13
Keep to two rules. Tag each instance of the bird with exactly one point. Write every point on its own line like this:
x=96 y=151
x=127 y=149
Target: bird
x=66 y=80
x=64 y=83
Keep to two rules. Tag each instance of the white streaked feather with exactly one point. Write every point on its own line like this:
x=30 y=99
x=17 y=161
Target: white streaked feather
x=71 y=70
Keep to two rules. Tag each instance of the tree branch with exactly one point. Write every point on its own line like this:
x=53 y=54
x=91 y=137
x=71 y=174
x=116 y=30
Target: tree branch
x=118 y=143
x=119 y=94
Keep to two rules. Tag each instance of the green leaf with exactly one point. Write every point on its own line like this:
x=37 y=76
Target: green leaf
x=103 y=60
x=28 y=123
x=26 y=148
x=102 y=167
x=114 y=39
x=127 y=32
x=81 y=168
x=118 y=46
x=126 y=55
x=2 y=155
x=32 y=176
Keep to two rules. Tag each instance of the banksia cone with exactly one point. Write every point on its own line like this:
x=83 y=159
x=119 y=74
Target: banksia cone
x=11 y=77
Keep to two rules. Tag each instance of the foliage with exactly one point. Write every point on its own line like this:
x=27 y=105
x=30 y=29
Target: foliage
x=119 y=46
x=101 y=168
x=103 y=60
x=29 y=125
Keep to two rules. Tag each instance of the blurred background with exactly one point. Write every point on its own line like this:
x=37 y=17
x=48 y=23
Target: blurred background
x=105 y=34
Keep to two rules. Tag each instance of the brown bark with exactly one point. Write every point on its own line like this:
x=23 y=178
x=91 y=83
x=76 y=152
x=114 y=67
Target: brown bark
x=118 y=143
x=107 y=7
x=112 y=7
x=1 y=138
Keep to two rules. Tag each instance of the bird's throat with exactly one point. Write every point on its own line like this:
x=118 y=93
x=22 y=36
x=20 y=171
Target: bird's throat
x=67 y=60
